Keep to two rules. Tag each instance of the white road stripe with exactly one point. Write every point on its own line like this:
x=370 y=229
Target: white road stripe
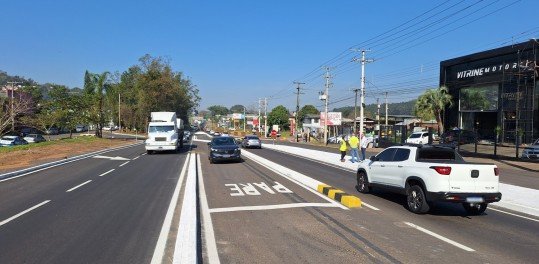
x=105 y=173
x=185 y=250
x=209 y=236
x=528 y=218
x=165 y=230
x=23 y=212
x=143 y=154
x=80 y=185
x=370 y=206
x=124 y=163
x=136 y=157
x=447 y=240
x=270 y=207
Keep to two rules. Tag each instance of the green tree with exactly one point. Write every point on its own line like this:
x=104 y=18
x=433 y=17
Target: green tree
x=279 y=116
x=95 y=87
x=237 y=109
x=218 y=110
x=432 y=103
x=307 y=110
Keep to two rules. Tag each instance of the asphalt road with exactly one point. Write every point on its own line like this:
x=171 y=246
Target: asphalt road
x=113 y=218
x=98 y=210
x=328 y=234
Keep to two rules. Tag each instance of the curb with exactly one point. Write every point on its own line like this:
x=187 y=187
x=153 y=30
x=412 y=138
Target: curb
x=347 y=200
x=59 y=162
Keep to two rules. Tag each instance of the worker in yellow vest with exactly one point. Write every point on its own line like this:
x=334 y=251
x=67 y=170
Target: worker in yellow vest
x=354 y=147
x=343 y=148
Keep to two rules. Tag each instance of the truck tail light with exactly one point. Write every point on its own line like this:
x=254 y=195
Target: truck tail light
x=442 y=169
x=496 y=172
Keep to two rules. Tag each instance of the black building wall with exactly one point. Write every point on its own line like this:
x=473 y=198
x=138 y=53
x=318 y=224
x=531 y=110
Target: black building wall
x=495 y=88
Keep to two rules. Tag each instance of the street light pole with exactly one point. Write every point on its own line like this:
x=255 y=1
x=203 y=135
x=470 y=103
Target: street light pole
x=119 y=108
x=12 y=84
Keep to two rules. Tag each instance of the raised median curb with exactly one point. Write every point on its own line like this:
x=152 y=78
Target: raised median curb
x=347 y=200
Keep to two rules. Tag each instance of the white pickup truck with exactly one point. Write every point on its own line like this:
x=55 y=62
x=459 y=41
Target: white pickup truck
x=428 y=174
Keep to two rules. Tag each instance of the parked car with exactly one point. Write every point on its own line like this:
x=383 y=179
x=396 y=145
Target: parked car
x=12 y=141
x=251 y=141
x=223 y=149
x=452 y=136
x=531 y=151
x=81 y=128
x=110 y=128
x=428 y=174
x=52 y=131
x=418 y=138
x=216 y=134
x=34 y=138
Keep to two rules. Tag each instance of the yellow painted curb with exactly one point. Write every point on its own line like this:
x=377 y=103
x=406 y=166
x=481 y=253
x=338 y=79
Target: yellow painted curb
x=331 y=193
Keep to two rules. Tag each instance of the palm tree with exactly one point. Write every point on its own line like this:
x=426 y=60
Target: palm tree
x=432 y=103
x=95 y=86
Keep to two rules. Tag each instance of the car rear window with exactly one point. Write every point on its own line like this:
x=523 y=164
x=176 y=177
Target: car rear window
x=437 y=154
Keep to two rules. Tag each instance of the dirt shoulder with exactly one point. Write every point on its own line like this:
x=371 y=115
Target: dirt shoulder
x=21 y=157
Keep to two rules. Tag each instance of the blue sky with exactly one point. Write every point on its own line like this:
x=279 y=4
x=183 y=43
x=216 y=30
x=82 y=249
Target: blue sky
x=239 y=51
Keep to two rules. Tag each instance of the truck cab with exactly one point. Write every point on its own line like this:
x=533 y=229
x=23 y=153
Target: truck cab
x=165 y=132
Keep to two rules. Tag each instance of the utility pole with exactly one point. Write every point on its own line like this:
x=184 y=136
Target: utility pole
x=259 y=107
x=355 y=110
x=361 y=110
x=12 y=84
x=326 y=98
x=119 y=109
x=244 y=119
x=378 y=114
x=297 y=109
x=386 y=110
x=265 y=117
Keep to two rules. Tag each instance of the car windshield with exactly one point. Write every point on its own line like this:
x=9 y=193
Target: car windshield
x=161 y=128
x=249 y=138
x=223 y=141
x=415 y=135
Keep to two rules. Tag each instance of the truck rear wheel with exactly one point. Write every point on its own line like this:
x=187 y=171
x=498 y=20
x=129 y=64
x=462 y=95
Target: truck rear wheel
x=475 y=209
x=416 y=199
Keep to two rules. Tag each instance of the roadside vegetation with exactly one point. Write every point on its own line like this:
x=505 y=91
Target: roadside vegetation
x=151 y=85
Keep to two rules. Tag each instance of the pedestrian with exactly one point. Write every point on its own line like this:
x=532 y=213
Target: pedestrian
x=354 y=145
x=343 y=148
x=364 y=143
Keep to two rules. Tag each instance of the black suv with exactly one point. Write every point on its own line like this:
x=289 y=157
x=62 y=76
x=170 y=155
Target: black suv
x=224 y=148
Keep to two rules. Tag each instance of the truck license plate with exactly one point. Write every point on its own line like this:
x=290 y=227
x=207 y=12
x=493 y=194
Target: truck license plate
x=474 y=199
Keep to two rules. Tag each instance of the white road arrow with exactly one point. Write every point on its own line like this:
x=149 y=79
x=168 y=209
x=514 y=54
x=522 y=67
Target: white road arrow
x=109 y=158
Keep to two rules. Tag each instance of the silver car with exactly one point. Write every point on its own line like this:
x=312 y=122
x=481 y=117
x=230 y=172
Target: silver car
x=34 y=138
x=251 y=142
x=531 y=151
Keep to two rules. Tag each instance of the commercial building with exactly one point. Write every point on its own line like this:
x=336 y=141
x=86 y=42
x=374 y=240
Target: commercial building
x=495 y=90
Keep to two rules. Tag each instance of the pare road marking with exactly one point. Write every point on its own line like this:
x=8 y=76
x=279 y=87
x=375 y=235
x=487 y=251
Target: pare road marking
x=242 y=189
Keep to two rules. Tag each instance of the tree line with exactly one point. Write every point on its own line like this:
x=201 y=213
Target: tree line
x=130 y=96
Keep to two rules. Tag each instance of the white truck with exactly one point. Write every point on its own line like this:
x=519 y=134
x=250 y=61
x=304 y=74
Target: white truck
x=428 y=174
x=165 y=132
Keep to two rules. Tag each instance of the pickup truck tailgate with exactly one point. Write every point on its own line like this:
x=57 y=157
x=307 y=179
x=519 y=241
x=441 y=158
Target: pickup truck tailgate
x=471 y=178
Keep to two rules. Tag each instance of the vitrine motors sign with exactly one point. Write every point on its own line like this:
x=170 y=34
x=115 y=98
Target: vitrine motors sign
x=524 y=66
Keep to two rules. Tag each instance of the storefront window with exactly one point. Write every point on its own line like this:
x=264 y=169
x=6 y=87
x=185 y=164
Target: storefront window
x=482 y=98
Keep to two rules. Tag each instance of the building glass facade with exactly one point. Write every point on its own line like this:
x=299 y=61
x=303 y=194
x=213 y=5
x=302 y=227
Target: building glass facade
x=495 y=88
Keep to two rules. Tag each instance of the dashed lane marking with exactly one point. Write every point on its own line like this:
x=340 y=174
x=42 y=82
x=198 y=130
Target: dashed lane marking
x=445 y=239
x=121 y=165
x=23 y=212
x=105 y=173
x=136 y=157
x=78 y=186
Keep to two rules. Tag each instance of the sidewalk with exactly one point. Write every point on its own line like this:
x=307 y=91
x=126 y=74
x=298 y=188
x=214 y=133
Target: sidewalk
x=515 y=198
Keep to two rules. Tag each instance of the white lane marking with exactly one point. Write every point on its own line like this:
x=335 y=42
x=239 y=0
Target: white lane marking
x=78 y=186
x=330 y=165
x=370 y=206
x=136 y=157
x=528 y=218
x=121 y=165
x=89 y=155
x=270 y=207
x=159 y=250
x=143 y=154
x=23 y=212
x=302 y=180
x=209 y=236
x=105 y=173
x=447 y=240
x=185 y=250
